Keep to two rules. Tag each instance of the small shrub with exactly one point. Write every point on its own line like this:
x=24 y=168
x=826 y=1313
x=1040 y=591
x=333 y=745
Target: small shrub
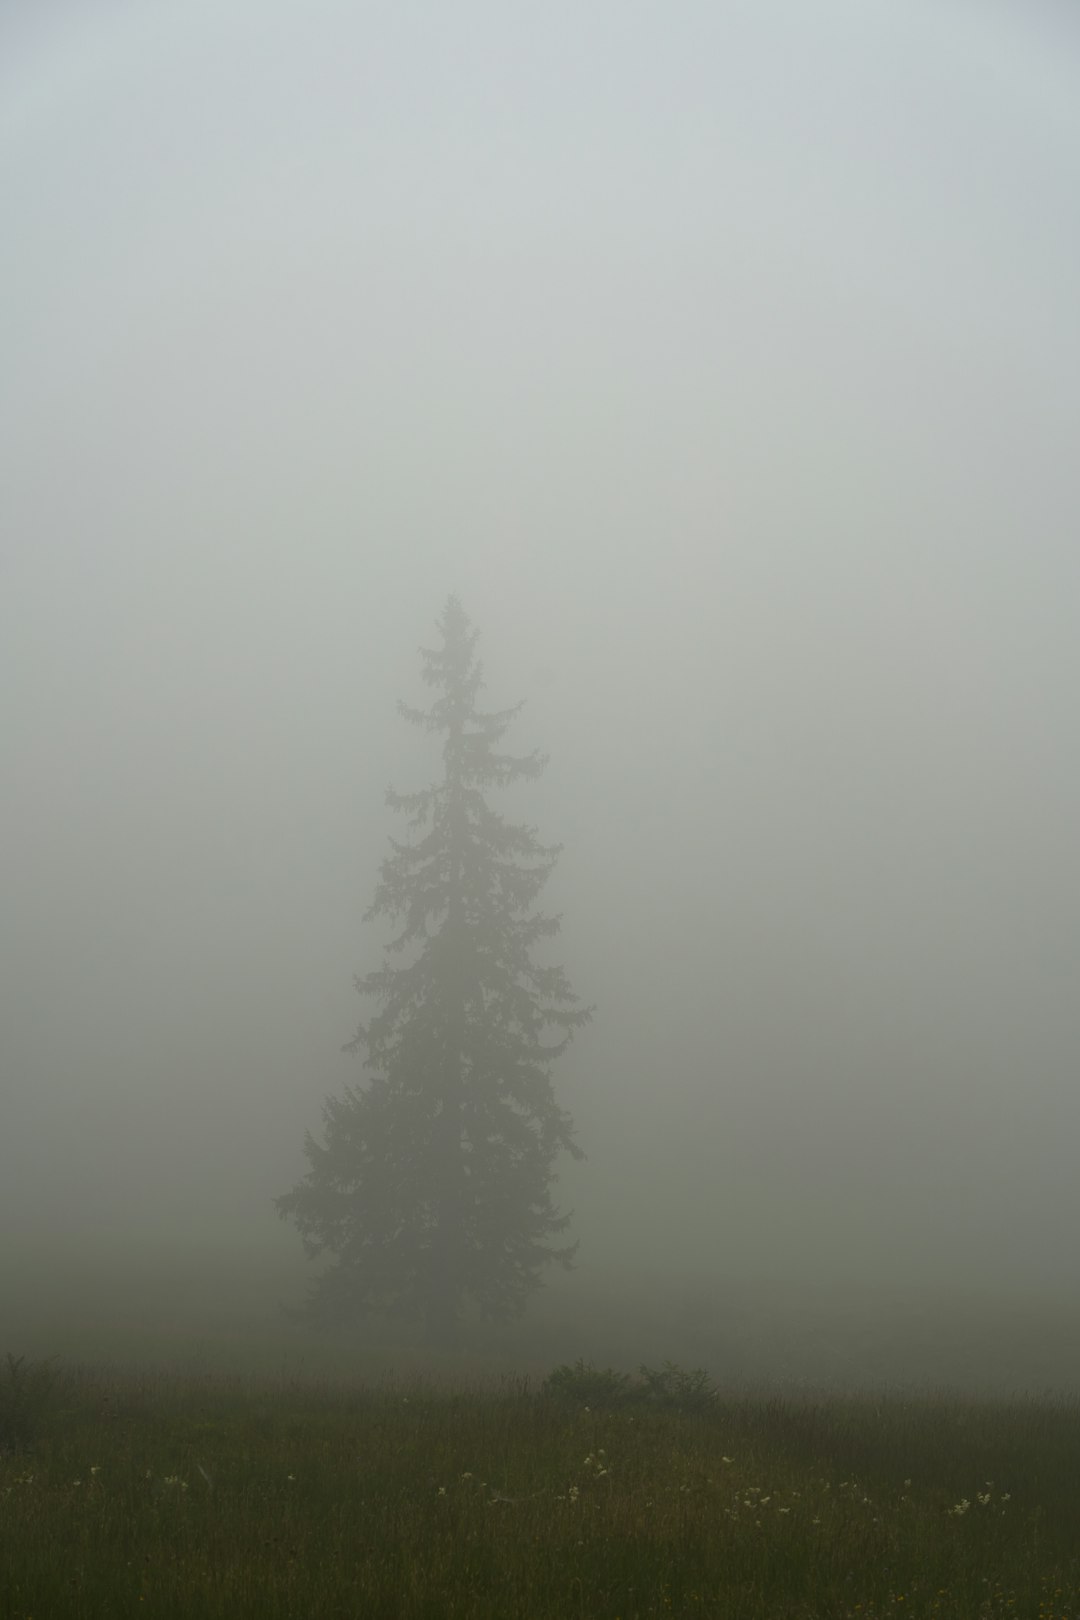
x=26 y=1388
x=587 y=1383
x=676 y=1388
x=673 y=1386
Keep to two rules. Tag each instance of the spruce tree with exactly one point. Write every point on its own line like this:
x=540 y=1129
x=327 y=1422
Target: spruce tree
x=432 y=1187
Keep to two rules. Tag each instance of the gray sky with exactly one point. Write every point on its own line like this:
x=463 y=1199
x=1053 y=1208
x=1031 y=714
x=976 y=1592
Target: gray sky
x=725 y=359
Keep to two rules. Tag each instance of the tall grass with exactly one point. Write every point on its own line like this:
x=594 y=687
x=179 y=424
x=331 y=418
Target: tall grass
x=192 y=1497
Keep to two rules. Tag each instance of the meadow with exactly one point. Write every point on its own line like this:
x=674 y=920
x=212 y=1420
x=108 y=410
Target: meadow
x=186 y=1496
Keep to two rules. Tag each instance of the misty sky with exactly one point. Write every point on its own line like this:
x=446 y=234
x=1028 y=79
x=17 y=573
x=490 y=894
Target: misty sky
x=725 y=359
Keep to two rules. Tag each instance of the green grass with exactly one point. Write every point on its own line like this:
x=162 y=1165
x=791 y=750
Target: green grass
x=191 y=1497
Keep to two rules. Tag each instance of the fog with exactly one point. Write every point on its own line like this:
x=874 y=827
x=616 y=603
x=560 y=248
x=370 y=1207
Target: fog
x=725 y=361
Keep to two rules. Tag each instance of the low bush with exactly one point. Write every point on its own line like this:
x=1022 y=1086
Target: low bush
x=588 y=1385
x=673 y=1386
x=670 y=1386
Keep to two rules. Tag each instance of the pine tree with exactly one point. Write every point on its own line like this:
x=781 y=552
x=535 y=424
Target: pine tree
x=432 y=1187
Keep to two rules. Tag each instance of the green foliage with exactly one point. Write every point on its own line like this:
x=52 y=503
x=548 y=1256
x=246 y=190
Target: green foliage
x=431 y=1188
x=670 y=1386
x=26 y=1392
x=587 y=1385
x=674 y=1386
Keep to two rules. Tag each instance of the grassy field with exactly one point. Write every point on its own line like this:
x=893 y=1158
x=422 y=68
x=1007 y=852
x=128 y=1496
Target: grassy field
x=185 y=1497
